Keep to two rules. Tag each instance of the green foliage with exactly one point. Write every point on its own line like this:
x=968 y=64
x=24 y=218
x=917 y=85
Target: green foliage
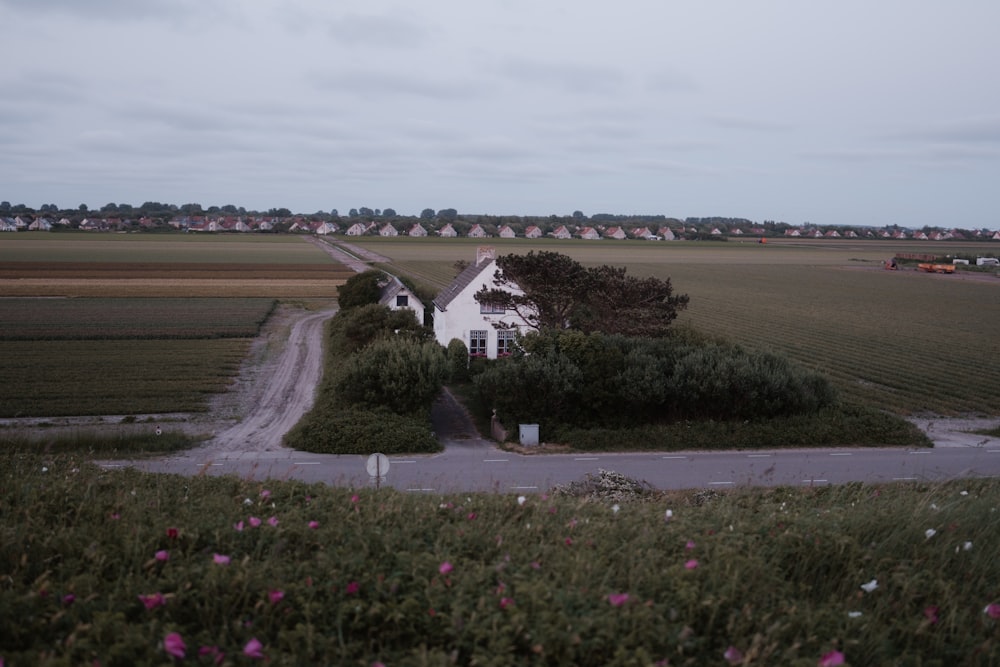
x=358 y=430
x=593 y=380
x=361 y=289
x=774 y=573
x=352 y=329
x=458 y=360
x=400 y=374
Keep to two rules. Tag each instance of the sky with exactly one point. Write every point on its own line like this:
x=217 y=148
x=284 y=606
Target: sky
x=832 y=113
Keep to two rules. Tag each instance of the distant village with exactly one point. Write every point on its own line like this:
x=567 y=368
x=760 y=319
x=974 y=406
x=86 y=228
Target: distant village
x=449 y=224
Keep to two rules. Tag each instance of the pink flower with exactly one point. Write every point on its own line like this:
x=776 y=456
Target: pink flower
x=617 y=599
x=355 y=499
x=114 y=516
x=264 y=493
x=353 y=588
x=931 y=612
x=254 y=521
x=273 y=521
x=691 y=564
x=690 y=545
x=172 y=533
x=275 y=596
x=68 y=599
x=214 y=651
x=568 y=541
x=471 y=516
x=253 y=649
x=152 y=601
x=506 y=602
x=220 y=559
x=174 y=645
x=992 y=610
x=314 y=524
x=733 y=655
x=831 y=659
x=445 y=568
x=238 y=526
x=162 y=555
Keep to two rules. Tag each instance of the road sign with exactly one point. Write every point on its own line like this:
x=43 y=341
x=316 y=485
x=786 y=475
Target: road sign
x=378 y=465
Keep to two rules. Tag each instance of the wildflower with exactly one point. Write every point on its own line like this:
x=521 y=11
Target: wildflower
x=247 y=501
x=314 y=524
x=152 y=601
x=471 y=516
x=521 y=500
x=172 y=533
x=265 y=494
x=238 y=526
x=967 y=546
x=691 y=564
x=254 y=521
x=668 y=515
x=931 y=613
x=275 y=596
x=114 y=517
x=353 y=588
x=733 y=655
x=45 y=469
x=992 y=610
x=617 y=599
x=68 y=599
x=253 y=649
x=963 y=493
x=690 y=545
x=173 y=644
x=506 y=602
x=569 y=541
x=615 y=508
x=929 y=533
x=831 y=659
x=870 y=586
x=445 y=567
x=355 y=499
x=162 y=555
x=535 y=565
x=854 y=614
x=220 y=559
x=273 y=522
x=214 y=651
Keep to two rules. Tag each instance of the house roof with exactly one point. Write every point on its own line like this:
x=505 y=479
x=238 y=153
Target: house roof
x=461 y=281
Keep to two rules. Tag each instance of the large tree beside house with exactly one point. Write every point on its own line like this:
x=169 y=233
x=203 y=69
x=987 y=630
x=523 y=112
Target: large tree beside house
x=557 y=292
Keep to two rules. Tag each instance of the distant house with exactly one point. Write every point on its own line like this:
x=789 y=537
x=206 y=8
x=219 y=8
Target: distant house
x=506 y=232
x=533 y=232
x=589 y=233
x=457 y=314
x=447 y=231
x=641 y=233
x=40 y=225
x=666 y=234
x=560 y=232
x=357 y=229
x=388 y=230
x=417 y=230
x=7 y=225
x=398 y=296
x=832 y=234
x=324 y=228
x=615 y=233
x=477 y=232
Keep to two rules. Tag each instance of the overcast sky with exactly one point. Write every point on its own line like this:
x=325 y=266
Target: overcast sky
x=847 y=112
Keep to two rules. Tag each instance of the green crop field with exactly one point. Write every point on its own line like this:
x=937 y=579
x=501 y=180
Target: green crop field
x=905 y=341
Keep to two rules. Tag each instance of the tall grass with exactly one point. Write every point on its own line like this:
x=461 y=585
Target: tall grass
x=317 y=575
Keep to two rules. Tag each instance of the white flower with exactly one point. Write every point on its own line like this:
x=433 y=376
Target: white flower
x=521 y=500
x=963 y=493
x=934 y=506
x=247 y=501
x=44 y=469
x=615 y=508
x=929 y=533
x=854 y=614
x=668 y=515
x=967 y=546
x=870 y=586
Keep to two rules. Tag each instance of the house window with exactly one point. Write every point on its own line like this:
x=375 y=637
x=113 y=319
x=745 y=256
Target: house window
x=402 y=301
x=505 y=343
x=487 y=308
x=477 y=343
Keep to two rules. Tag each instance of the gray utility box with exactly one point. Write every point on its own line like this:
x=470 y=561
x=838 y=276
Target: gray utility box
x=529 y=435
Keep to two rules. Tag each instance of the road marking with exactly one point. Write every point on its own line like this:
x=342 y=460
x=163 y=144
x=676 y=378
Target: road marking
x=758 y=456
x=402 y=460
x=919 y=452
x=216 y=464
x=720 y=483
x=587 y=458
x=306 y=463
x=814 y=481
x=993 y=451
x=675 y=457
x=524 y=487
x=841 y=454
x=495 y=460
x=418 y=489
x=904 y=479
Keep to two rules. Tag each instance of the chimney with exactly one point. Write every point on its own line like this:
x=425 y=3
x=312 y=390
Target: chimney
x=485 y=254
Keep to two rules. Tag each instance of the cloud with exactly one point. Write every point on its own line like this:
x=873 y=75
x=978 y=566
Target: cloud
x=108 y=10
x=377 y=32
x=566 y=77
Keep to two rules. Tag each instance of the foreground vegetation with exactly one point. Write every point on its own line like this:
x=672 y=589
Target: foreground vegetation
x=125 y=568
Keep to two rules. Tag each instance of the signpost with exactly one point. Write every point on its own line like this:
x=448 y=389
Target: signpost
x=378 y=467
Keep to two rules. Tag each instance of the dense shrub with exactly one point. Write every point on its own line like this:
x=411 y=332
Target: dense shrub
x=400 y=374
x=599 y=381
x=362 y=431
x=458 y=361
x=361 y=290
x=351 y=330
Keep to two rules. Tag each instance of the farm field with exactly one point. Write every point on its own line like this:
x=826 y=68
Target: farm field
x=904 y=341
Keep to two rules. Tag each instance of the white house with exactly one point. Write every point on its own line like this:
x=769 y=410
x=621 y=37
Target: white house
x=357 y=229
x=532 y=232
x=417 y=230
x=398 y=296
x=561 y=232
x=457 y=314
x=447 y=231
x=506 y=232
x=388 y=230
x=477 y=232
x=589 y=233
